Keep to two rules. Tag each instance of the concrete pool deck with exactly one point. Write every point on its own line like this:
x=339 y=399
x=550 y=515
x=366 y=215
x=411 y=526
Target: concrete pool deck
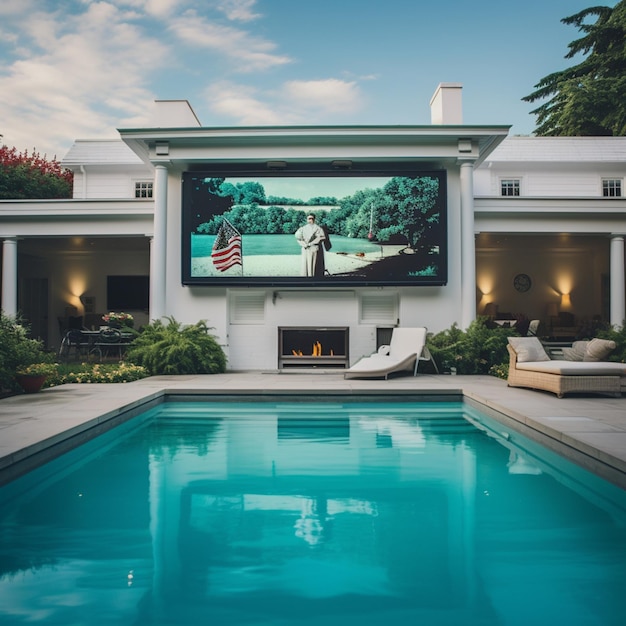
x=590 y=429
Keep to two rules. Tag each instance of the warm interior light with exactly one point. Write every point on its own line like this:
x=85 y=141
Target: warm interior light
x=566 y=301
x=77 y=288
x=485 y=283
x=564 y=284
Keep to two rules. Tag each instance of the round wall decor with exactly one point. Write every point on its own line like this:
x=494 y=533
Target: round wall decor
x=522 y=282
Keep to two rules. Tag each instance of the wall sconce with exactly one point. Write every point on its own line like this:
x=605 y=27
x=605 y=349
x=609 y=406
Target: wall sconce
x=553 y=309
x=341 y=165
x=566 y=301
x=276 y=165
x=491 y=309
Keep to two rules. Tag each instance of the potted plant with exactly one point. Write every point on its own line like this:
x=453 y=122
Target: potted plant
x=118 y=320
x=31 y=378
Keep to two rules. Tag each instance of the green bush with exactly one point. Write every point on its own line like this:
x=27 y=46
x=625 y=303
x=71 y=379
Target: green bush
x=173 y=349
x=500 y=371
x=618 y=335
x=17 y=350
x=472 y=351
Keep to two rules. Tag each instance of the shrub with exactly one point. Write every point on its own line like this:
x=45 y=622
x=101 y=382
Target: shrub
x=17 y=350
x=173 y=349
x=618 y=335
x=24 y=175
x=471 y=351
x=500 y=371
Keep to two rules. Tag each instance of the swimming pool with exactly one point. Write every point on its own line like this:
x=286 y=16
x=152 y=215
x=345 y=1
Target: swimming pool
x=299 y=513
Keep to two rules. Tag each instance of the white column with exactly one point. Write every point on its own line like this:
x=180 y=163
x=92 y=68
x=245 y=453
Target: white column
x=9 y=276
x=468 y=246
x=158 y=247
x=618 y=281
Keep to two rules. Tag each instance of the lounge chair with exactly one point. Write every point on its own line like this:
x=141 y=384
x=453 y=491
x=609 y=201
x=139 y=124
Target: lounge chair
x=404 y=352
x=533 y=328
x=530 y=366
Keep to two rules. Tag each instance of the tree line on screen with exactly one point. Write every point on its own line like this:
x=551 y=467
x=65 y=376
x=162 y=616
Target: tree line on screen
x=404 y=210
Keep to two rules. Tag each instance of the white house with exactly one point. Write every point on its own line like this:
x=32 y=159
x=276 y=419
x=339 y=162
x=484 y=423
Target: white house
x=529 y=226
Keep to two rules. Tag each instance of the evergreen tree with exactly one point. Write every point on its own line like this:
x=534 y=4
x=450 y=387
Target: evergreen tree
x=588 y=98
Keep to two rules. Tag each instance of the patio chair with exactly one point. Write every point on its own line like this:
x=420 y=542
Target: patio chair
x=403 y=354
x=75 y=343
x=109 y=341
x=533 y=328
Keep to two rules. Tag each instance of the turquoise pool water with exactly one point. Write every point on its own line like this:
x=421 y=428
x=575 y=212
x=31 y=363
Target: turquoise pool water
x=264 y=513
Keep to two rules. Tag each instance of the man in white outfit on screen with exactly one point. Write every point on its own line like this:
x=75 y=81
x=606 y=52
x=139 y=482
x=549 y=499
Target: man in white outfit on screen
x=309 y=237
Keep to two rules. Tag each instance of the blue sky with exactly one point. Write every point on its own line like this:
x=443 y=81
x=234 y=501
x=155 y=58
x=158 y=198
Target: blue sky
x=79 y=69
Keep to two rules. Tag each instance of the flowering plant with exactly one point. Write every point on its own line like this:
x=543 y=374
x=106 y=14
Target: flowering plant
x=125 y=319
x=37 y=369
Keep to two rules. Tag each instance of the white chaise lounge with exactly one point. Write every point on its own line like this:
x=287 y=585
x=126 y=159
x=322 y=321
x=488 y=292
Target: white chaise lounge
x=530 y=366
x=404 y=352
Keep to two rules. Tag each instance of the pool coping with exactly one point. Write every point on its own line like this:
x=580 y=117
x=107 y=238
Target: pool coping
x=58 y=419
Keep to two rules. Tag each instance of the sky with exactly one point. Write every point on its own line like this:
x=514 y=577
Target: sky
x=80 y=69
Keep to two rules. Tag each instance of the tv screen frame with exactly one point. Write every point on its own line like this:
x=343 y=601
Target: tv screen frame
x=387 y=226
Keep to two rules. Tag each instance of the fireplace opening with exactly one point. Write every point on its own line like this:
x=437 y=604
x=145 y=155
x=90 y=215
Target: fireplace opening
x=313 y=347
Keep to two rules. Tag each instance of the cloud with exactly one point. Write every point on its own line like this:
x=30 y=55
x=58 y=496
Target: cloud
x=250 y=53
x=17 y=7
x=295 y=102
x=80 y=74
x=242 y=104
x=238 y=10
x=329 y=96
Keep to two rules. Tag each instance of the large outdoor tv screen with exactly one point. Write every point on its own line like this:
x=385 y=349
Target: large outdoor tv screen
x=270 y=229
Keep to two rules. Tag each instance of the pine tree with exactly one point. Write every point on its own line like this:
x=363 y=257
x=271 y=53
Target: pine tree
x=588 y=98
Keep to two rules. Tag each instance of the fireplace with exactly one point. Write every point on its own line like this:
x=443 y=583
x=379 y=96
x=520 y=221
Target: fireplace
x=307 y=346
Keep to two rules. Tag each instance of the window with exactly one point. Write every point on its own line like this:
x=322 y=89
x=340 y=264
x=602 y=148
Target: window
x=612 y=187
x=509 y=187
x=143 y=189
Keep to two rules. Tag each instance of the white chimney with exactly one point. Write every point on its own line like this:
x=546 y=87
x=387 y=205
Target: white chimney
x=172 y=114
x=446 y=105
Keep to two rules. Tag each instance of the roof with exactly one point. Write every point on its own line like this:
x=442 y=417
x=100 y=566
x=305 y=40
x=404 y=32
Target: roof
x=561 y=149
x=100 y=152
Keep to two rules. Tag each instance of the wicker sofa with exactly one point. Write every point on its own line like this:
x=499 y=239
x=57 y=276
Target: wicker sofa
x=562 y=376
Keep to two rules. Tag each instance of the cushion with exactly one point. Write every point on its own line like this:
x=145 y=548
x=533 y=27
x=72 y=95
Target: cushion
x=598 y=349
x=576 y=352
x=568 y=368
x=528 y=349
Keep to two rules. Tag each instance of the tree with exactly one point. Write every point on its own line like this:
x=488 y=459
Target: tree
x=29 y=176
x=588 y=98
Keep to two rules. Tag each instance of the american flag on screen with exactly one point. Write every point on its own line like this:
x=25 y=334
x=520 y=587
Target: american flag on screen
x=227 y=247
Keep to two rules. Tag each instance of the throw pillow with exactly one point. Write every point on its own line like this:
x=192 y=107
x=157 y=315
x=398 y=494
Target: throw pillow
x=576 y=352
x=599 y=349
x=528 y=349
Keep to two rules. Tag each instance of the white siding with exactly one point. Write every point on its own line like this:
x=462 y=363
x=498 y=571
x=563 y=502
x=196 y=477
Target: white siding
x=550 y=167
x=110 y=182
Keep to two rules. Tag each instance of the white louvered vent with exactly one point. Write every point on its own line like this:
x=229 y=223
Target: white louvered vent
x=247 y=308
x=379 y=308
